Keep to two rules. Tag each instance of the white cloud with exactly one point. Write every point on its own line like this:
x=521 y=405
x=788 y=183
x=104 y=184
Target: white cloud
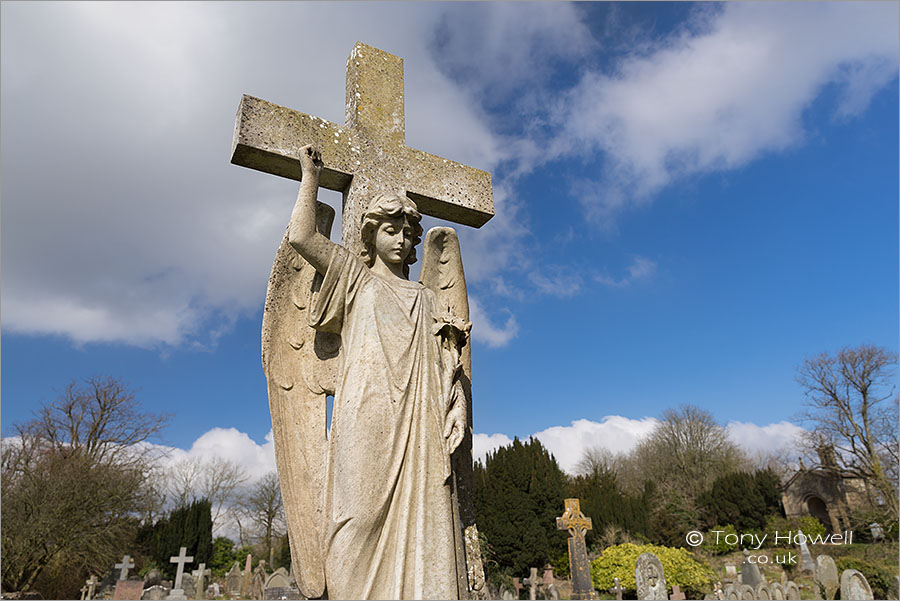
x=640 y=268
x=482 y=444
x=488 y=333
x=763 y=439
x=620 y=434
x=719 y=98
x=615 y=433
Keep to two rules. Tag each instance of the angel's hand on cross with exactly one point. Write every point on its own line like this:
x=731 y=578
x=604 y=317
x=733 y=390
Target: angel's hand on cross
x=311 y=161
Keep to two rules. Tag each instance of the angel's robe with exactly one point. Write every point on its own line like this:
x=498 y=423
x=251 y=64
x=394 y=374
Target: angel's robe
x=390 y=533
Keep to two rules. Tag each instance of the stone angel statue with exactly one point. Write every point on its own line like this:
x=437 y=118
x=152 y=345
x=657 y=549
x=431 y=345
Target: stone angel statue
x=372 y=507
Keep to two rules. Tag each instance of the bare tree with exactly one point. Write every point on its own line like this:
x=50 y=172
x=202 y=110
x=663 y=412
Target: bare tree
x=852 y=406
x=263 y=507
x=73 y=481
x=214 y=478
x=684 y=454
x=599 y=459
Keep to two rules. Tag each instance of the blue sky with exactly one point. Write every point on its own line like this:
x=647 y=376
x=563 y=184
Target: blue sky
x=691 y=198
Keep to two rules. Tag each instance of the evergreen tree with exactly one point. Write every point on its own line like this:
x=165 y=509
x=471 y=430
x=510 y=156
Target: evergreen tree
x=741 y=499
x=189 y=526
x=519 y=492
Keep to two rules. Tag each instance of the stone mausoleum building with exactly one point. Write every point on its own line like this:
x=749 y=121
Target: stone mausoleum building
x=824 y=493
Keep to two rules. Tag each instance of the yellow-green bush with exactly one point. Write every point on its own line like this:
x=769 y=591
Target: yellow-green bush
x=679 y=565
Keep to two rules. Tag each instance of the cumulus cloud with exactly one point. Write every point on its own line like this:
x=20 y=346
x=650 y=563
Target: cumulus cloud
x=620 y=434
x=721 y=95
x=483 y=330
x=482 y=444
x=759 y=440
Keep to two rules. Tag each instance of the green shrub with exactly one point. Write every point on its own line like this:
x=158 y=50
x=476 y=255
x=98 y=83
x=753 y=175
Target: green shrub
x=782 y=525
x=679 y=565
x=721 y=547
x=879 y=578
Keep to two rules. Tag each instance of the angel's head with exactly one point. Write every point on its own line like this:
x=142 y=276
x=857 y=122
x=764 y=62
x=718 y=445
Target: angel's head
x=391 y=230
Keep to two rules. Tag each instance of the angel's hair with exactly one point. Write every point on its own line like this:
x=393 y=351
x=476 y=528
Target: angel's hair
x=382 y=208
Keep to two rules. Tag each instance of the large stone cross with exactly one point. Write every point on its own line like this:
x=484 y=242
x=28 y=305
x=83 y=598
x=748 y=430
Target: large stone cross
x=577 y=524
x=127 y=564
x=180 y=559
x=367 y=155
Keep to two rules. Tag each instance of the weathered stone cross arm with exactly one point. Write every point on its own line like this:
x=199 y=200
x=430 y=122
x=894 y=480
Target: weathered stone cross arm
x=369 y=151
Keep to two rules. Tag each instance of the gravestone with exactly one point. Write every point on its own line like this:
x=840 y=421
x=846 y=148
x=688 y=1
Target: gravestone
x=616 y=589
x=364 y=158
x=258 y=585
x=731 y=571
x=877 y=532
x=532 y=583
x=182 y=558
x=677 y=595
x=155 y=592
x=732 y=592
x=750 y=574
x=550 y=591
x=762 y=592
x=650 y=578
x=279 y=586
x=152 y=578
x=791 y=590
x=201 y=574
x=577 y=524
x=855 y=586
x=826 y=576
x=128 y=589
x=91 y=583
x=83 y=591
x=189 y=586
x=126 y=564
x=776 y=590
x=806 y=561
x=747 y=592
x=233 y=581
x=247 y=577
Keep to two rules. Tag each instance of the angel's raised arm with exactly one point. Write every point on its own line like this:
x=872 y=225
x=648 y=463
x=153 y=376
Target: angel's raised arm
x=302 y=233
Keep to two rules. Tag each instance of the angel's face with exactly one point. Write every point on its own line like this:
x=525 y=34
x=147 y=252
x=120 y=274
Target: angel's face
x=393 y=240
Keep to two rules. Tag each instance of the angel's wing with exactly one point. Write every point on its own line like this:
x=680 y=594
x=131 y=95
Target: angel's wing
x=442 y=272
x=300 y=368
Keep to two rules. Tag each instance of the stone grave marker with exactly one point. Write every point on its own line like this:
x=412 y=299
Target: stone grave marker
x=776 y=590
x=155 y=592
x=182 y=558
x=677 y=595
x=762 y=592
x=128 y=589
x=747 y=592
x=826 y=576
x=577 y=524
x=877 y=531
x=732 y=592
x=91 y=583
x=189 y=586
x=83 y=592
x=731 y=571
x=791 y=590
x=127 y=564
x=750 y=574
x=233 y=581
x=616 y=589
x=806 y=561
x=200 y=575
x=278 y=586
x=549 y=583
x=247 y=577
x=650 y=577
x=855 y=586
x=258 y=586
x=532 y=583
x=152 y=578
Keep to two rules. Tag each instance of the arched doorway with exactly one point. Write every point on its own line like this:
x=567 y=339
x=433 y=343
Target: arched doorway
x=819 y=510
